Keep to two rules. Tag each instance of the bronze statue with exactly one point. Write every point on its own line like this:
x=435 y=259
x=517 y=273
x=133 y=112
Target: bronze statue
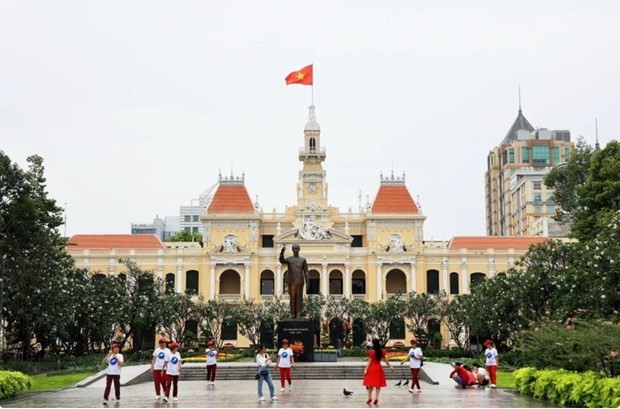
x=296 y=278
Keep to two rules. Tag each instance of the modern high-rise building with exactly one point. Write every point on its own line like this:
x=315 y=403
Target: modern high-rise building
x=517 y=201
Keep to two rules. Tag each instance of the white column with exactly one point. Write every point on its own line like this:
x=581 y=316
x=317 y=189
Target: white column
x=413 y=279
x=347 y=280
x=160 y=264
x=379 y=281
x=444 y=275
x=247 y=281
x=324 y=288
x=279 y=280
x=212 y=280
x=179 y=277
x=464 y=276
x=491 y=266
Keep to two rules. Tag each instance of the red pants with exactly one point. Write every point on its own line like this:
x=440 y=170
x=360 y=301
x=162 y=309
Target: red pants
x=285 y=374
x=108 y=385
x=211 y=372
x=414 y=378
x=492 y=370
x=159 y=377
x=174 y=381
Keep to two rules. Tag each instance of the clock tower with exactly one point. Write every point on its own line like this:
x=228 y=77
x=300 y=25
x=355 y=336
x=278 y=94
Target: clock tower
x=312 y=187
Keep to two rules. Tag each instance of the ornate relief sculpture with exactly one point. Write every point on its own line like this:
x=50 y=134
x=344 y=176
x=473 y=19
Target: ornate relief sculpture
x=229 y=244
x=311 y=231
x=396 y=244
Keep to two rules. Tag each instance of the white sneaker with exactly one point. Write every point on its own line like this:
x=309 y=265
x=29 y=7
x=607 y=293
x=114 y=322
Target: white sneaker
x=493 y=386
x=282 y=389
x=105 y=401
x=274 y=398
x=212 y=383
x=410 y=390
x=261 y=399
x=165 y=399
x=175 y=400
x=157 y=397
x=290 y=388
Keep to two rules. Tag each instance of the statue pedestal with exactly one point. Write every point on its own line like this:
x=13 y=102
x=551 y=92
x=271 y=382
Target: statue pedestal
x=298 y=331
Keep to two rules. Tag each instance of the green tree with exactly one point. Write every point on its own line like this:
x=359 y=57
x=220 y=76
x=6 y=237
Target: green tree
x=213 y=314
x=186 y=235
x=587 y=188
x=419 y=309
x=380 y=317
x=176 y=310
x=36 y=263
x=250 y=317
x=141 y=311
x=457 y=321
x=277 y=311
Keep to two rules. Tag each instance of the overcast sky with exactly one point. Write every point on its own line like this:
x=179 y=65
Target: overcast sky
x=136 y=105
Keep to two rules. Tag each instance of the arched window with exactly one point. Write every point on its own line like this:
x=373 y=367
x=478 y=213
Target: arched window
x=312 y=143
x=432 y=282
x=191 y=281
x=501 y=274
x=99 y=276
x=335 y=282
x=122 y=276
x=358 y=282
x=395 y=282
x=476 y=278
x=230 y=283
x=170 y=277
x=314 y=282
x=454 y=283
x=266 y=282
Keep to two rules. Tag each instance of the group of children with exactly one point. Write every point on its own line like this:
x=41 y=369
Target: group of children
x=477 y=375
x=166 y=368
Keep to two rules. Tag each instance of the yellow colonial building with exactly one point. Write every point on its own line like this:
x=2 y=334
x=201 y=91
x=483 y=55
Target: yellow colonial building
x=369 y=255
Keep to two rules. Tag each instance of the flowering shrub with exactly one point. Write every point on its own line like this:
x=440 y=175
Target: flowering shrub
x=298 y=348
x=11 y=383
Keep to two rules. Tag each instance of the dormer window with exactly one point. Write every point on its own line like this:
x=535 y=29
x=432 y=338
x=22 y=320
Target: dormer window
x=312 y=143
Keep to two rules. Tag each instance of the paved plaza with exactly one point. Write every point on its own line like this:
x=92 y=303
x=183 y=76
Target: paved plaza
x=306 y=393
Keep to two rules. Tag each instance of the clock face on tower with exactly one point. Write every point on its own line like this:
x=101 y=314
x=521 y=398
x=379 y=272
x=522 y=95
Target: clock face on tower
x=312 y=187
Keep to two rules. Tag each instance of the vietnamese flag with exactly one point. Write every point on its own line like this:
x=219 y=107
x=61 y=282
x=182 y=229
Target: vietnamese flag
x=303 y=76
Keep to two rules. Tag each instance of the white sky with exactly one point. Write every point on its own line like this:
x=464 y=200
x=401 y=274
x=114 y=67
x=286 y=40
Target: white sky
x=136 y=105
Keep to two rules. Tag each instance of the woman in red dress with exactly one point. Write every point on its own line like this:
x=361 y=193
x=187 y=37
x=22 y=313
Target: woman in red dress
x=374 y=377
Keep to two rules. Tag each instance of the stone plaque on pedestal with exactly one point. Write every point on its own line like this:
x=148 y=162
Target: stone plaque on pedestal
x=298 y=331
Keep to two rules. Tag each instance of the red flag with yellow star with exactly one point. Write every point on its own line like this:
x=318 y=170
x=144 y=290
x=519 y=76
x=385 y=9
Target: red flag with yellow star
x=303 y=76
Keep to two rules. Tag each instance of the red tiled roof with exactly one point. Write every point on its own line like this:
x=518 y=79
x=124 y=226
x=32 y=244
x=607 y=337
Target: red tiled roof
x=494 y=242
x=231 y=199
x=115 y=241
x=394 y=199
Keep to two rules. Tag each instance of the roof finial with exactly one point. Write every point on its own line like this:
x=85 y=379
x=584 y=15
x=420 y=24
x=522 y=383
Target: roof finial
x=311 y=113
x=519 y=98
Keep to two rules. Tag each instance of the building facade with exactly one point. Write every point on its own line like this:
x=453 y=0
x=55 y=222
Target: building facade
x=517 y=201
x=371 y=255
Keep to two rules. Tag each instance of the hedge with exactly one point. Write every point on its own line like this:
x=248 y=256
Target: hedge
x=11 y=383
x=561 y=387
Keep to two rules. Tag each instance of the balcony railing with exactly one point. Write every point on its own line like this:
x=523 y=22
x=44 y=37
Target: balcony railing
x=230 y=297
x=358 y=296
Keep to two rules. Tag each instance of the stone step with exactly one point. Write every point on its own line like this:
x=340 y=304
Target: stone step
x=314 y=371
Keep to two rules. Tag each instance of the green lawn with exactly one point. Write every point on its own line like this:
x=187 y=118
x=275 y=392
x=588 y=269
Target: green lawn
x=45 y=382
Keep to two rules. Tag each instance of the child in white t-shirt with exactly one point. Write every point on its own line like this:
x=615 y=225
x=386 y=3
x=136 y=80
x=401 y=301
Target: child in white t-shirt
x=285 y=363
x=492 y=359
x=211 y=362
x=115 y=361
x=415 y=358
x=173 y=370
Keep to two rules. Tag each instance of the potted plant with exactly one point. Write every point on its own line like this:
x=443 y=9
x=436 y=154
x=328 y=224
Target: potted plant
x=347 y=329
x=325 y=333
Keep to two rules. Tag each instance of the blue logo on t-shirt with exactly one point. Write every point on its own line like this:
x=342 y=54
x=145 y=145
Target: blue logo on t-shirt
x=489 y=355
x=284 y=354
x=412 y=354
x=113 y=361
x=211 y=354
x=174 y=360
x=161 y=355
